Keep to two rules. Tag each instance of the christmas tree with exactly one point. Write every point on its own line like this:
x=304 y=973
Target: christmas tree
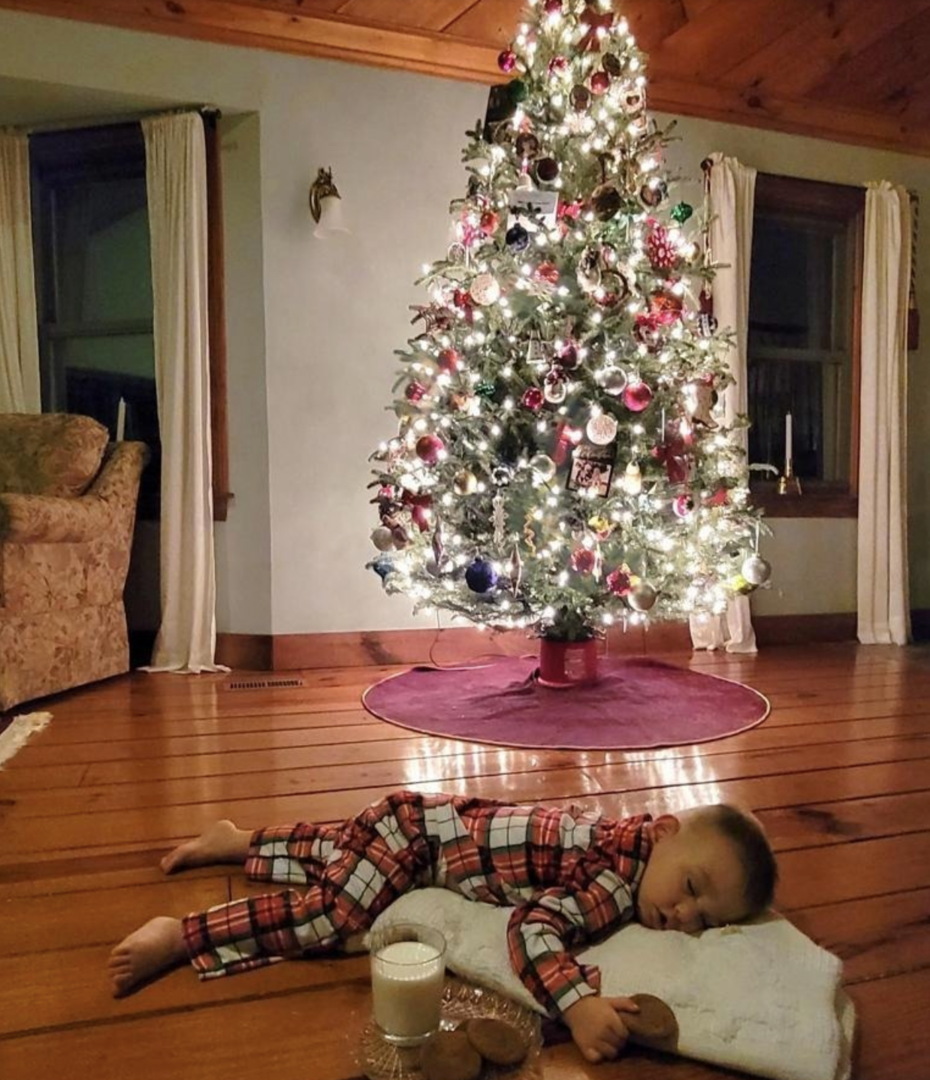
x=561 y=460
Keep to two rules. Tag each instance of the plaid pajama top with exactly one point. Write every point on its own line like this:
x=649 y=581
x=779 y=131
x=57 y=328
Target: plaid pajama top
x=571 y=877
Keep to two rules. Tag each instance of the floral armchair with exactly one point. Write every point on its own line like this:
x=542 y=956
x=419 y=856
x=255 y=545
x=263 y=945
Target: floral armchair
x=67 y=510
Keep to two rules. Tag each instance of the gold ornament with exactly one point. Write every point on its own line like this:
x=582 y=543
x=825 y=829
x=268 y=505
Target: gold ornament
x=465 y=483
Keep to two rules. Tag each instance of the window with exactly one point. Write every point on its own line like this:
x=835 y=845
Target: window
x=94 y=289
x=803 y=348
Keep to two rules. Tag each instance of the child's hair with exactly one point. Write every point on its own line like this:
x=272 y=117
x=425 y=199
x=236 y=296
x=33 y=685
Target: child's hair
x=752 y=846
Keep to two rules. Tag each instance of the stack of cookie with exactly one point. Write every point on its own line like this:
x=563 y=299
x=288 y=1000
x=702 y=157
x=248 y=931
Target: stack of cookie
x=462 y=1054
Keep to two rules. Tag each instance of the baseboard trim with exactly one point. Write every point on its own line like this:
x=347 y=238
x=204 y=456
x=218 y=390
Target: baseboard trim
x=360 y=648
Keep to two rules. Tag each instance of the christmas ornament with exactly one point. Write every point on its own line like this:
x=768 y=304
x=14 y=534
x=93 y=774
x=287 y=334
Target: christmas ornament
x=661 y=251
x=602 y=429
x=414 y=391
x=558 y=65
x=438 y=545
x=498 y=518
x=383 y=565
x=485 y=290
x=600 y=526
x=518 y=90
x=613 y=380
x=401 y=536
x=719 y=498
x=596 y=25
x=682 y=506
x=707 y=325
x=653 y=193
x=507 y=61
x=600 y=83
x=382 y=538
x=681 y=212
x=516 y=569
x=547 y=272
x=637 y=396
x=555 y=387
x=526 y=145
x=632 y=479
x=488 y=222
x=486 y=388
x=517 y=238
x=543 y=467
x=428 y=448
x=568 y=356
x=480 y=576
x=460 y=402
x=501 y=475
x=448 y=361
x=547 y=170
x=553 y=7
x=618 y=581
x=699 y=399
x=648 y=332
x=605 y=202
x=533 y=399
x=632 y=102
x=665 y=308
x=420 y=509
x=756 y=570
x=584 y=560
x=457 y=253
x=613 y=65
x=642 y=597
x=581 y=98
x=465 y=483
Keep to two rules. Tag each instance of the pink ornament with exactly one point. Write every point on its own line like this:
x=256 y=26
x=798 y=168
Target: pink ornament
x=600 y=82
x=637 y=396
x=568 y=356
x=682 y=506
x=558 y=65
x=507 y=61
x=533 y=399
x=429 y=447
x=584 y=560
x=414 y=391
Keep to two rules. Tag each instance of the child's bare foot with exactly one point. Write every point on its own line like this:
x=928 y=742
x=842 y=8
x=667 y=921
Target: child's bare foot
x=222 y=842
x=151 y=950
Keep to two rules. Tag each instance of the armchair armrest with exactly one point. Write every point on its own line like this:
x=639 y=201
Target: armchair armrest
x=50 y=519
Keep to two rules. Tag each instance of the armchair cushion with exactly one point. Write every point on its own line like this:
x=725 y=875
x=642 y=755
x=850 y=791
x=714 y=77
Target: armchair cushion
x=54 y=454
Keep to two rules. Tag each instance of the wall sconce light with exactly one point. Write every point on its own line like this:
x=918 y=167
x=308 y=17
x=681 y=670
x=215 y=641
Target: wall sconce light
x=326 y=205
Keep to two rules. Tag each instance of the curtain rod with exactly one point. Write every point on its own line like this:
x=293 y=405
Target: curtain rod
x=114 y=119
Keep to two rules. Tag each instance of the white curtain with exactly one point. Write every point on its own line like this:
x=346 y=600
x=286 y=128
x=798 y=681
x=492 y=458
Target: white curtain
x=883 y=601
x=732 y=198
x=177 y=199
x=19 y=331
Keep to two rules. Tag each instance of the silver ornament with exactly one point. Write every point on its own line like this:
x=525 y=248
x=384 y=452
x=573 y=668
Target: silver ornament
x=439 y=544
x=383 y=538
x=485 y=289
x=643 y=597
x=602 y=429
x=543 y=467
x=613 y=380
x=756 y=570
x=516 y=569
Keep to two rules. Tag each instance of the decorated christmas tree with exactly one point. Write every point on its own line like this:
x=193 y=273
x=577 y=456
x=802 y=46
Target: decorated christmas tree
x=561 y=460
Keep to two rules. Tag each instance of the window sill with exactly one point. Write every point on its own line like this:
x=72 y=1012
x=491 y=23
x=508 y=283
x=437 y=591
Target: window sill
x=814 y=503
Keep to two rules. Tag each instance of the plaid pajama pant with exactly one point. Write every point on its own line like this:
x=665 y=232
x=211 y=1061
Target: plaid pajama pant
x=571 y=878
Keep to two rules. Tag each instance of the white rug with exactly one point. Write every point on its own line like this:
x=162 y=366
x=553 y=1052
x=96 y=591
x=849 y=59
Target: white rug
x=20 y=731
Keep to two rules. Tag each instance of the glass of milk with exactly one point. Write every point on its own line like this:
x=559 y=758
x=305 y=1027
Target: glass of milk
x=408 y=964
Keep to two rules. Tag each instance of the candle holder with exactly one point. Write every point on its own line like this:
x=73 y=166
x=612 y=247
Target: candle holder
x=788 y=480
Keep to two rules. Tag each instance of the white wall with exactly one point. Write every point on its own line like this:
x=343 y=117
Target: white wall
x=312 y=323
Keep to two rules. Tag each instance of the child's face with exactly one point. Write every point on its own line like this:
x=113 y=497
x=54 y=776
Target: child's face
x=693 y=880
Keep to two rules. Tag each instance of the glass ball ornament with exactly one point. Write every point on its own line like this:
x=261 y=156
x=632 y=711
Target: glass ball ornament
x=614 y=381
x=517 y=238
x=507 y=61
x=637 y=396
x=642 y=597
x=602 y=429
x=683 y=506
x=547 y=170
x=485 y=290
x=553 y=7
x=428 y=448
x=756 y=570
x=480 y=576
x=600 y=83
x=382 y=538
x=555 y=388
x=533 y=399
x=488 y=222
x=465 y=483
x=449 y=361
x=501 y=475
x=543 y=467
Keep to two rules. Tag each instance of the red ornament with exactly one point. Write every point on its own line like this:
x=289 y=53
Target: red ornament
x=584 y=560
x=600 y=82
x=553 y=7
x=507 y=61
x=533 y=399
x=568 y=357
x=419 y=507
x=665 y=308
x=462 y=298
x=448 y=361
x=662 y=252
x=414 y=391
x=547 y=272
x=429 y=447
x=647 y=331
x=489 y=222
x=558 y=65
x=618 y=582
x=592 y=20
x=637 y=396
x=719 y=498
x=683 y=505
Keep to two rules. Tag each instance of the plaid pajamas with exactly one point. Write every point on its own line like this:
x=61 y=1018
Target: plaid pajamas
x=571 y=878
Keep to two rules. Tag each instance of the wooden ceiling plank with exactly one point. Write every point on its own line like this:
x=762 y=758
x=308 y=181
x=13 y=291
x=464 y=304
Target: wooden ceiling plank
x=723 y=36
x=794 y=64
x=652 y=21
x=489 y=21
x=884 y=70
x=434 y=15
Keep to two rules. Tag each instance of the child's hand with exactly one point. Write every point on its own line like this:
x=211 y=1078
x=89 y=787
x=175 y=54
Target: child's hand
x=597 y=1027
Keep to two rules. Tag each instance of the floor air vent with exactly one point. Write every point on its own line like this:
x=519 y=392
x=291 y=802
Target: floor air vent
x=262 y=684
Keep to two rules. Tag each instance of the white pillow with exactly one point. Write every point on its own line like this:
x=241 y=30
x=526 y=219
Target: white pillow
x=760 y=997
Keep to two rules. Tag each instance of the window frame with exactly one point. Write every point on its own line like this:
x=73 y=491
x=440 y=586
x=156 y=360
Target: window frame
x=846 y=205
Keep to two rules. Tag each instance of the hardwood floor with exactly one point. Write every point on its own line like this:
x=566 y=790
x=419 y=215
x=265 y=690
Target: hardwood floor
x=839 y=773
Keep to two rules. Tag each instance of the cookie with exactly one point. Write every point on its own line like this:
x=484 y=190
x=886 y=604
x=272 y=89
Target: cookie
x=448 y=1055
x=496 y=1041
x=655 y=1020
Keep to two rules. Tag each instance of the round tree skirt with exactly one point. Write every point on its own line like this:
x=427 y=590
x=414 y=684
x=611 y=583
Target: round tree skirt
x=637 y=702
